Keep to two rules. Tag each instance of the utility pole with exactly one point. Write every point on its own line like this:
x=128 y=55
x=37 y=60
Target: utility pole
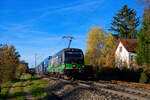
x=35 y=59
x=69 y=38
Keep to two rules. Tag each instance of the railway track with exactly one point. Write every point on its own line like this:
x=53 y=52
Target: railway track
x=128 y=93
x=136 y=91
x=107 y=90
x=124 y=92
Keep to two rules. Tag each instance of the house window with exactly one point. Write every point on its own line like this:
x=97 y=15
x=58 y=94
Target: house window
x=120 y=49
x=120 y=63
x=131 y=57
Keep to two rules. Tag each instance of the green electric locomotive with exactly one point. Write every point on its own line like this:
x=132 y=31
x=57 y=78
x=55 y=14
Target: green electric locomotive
x=68 y=61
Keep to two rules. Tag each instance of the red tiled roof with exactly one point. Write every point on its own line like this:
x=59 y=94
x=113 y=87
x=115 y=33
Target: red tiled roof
x=129 y=44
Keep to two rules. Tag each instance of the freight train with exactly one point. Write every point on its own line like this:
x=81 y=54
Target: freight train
x=68 y=62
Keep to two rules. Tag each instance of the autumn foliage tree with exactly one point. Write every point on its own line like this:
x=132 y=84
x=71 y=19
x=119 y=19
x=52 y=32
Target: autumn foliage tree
x=110 y=52
x=94 y=53
x=99 y=45
x=9 y=59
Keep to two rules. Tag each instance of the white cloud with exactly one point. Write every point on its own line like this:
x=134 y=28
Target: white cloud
x=19 y=30
x=75 y=7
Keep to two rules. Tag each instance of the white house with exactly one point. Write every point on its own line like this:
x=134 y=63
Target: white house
x=125 y=52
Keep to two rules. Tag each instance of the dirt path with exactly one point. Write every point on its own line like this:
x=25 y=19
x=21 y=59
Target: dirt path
x=27 y=94
x=10 y=92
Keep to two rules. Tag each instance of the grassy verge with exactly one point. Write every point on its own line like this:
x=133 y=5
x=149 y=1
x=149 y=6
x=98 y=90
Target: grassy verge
x=5 y=89
x=37 y=92
x=36 y=87
x=17 y=92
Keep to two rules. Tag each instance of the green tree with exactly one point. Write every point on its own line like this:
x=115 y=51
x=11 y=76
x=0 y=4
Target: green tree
x=143 y=48
x=146 y=21
x=140 y=50
x=125 y=23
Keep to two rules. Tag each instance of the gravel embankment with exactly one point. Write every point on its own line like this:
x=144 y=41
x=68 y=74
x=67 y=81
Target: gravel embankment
x=68 y=90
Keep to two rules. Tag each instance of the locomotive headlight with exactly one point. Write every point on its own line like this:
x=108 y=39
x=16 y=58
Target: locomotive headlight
x=74 y=66
x=63 y=66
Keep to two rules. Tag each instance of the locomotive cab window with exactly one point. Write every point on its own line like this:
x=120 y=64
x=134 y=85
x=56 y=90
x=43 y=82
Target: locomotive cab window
x=73 y=57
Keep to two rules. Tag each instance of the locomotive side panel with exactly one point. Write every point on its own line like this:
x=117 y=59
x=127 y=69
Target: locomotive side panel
x=69 y=61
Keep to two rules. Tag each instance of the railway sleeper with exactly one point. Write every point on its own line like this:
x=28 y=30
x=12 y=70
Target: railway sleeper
x=128 y=90
x=131 y=89
x=123 y=94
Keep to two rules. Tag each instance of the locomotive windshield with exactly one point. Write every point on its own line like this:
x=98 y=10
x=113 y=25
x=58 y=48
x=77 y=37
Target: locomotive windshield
x=73 y=54
x=74 y=57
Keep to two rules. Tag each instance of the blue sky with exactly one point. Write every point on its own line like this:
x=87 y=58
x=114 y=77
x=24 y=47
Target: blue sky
x=37 y=26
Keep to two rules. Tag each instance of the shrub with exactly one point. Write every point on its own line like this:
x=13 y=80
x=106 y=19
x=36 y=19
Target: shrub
x=21 y=68
x=123 y=74
x=143 y=78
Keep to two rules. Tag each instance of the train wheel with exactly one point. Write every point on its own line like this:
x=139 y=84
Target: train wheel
x=72 y=79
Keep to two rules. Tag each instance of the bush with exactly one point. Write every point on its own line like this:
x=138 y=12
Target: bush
x=20 y=69
x=124 y=74
x=143 y=78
